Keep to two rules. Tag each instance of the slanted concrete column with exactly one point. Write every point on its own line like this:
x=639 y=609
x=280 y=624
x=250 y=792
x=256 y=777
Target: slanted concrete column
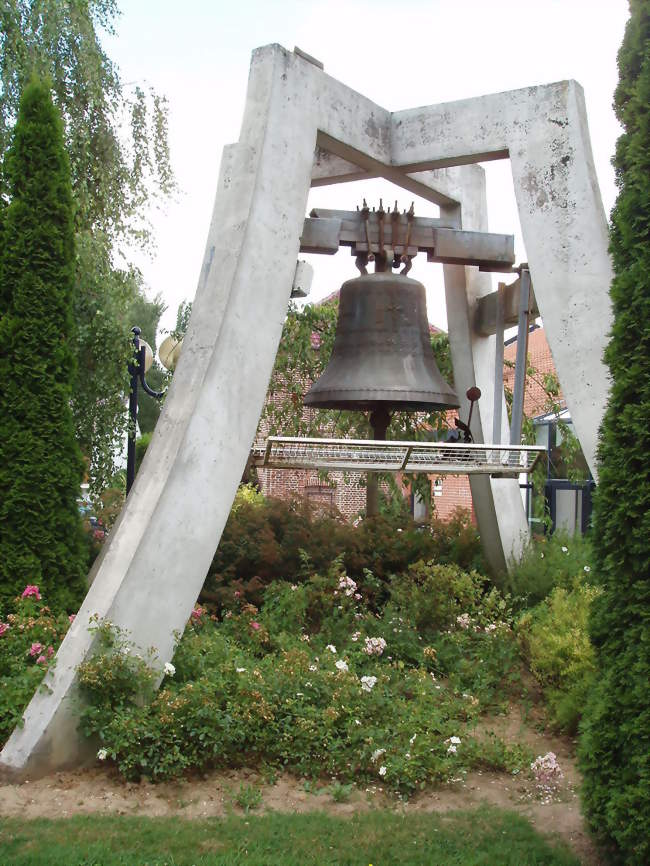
x=497 y=502
x=544 y=132
x=153 y=567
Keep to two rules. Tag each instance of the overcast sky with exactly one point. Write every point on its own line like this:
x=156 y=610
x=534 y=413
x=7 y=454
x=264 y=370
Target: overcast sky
x=400 y=54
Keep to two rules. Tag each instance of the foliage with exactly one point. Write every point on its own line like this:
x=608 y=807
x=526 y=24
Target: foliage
x=269 y=539
x=556 y=645
x=141 y=445
x=29 y=638
x=557 y=560
x=116 y=140
x=41 y=467
x=379 y=836
x=615 y=757
x=146 y=315
x=248 y=797
x=316 y=682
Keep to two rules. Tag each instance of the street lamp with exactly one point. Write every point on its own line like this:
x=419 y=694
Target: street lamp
x=138 y=368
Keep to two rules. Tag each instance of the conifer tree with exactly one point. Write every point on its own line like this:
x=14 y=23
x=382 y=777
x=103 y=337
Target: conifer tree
x=615 y=742
x=41 y=467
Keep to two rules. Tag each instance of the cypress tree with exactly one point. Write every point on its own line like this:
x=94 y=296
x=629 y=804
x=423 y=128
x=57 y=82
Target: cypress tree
x=615 y=741
x=41 y=467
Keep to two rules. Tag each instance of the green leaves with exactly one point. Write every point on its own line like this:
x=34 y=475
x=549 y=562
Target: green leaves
x=614 y=744
x=41 y=467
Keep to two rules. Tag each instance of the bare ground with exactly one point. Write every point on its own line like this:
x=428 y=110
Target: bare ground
x=100 y=790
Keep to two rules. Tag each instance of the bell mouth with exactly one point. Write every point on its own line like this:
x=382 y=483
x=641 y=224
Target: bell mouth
x=362 y=401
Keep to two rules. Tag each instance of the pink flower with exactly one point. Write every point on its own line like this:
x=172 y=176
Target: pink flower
x=41 y=660
x=4 y=626
x=72 y=617
x=50 y=652
x=35 y=649
x=197 y=613
x=30 y=589
x=255 y=625
x=315 y=340
x=237 y=593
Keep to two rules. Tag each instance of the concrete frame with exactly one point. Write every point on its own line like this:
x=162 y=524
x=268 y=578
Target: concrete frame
x=151 y=571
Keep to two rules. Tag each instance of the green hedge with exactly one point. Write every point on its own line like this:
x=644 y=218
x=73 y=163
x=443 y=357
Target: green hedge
x=615 y=745
x=41 y=467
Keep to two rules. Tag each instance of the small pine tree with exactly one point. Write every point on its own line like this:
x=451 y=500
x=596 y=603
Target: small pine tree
x=41 y=467
x=615 y=741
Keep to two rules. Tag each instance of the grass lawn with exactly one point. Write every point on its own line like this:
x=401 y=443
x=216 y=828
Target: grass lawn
x=487 y=837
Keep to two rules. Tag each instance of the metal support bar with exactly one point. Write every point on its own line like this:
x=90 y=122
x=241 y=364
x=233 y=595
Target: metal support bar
x=520 y=362
x=498 y=368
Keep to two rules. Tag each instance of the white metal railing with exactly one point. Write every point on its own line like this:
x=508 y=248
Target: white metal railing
x=438 y=458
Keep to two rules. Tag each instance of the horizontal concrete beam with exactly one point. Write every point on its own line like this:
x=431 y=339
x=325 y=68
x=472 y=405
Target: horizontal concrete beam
x=485 y=318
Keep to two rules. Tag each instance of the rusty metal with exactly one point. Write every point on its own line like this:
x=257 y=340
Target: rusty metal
x=382 y=356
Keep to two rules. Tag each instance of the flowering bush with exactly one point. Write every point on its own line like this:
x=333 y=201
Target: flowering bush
x=297 y=692
x=29 y=638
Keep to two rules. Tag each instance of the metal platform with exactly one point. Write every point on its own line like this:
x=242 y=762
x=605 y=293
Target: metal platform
x=361 y=455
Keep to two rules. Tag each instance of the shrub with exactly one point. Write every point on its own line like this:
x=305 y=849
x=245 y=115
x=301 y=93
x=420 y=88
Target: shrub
x=41 y=467
x=614 y=749
x=314 y=682
x=29 y=638
x=558 y=560
x=555 y=642
x=266 y=540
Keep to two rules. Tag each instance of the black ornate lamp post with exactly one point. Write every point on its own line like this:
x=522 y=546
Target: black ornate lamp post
x=138 y=368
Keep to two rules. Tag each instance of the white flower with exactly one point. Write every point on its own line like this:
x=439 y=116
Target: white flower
x=240 y=670
x=455 y=740
x=170 y=670
x=341 y=665
x=377 y=754
x=331 y=648
x=463 y=620
x=374 y=646
x=293 y=587
x=412 y=740
x=587 y=569
x=541 y=556
x=357 y=722
x=368 y=683
x=313 y=667
x=355 y=637
x=382 y=771
x=348 y=586
x=305 y=637
x=565 y=549
x=451 y=750
x=102 y=754
x=125 y=650
x=400 y=530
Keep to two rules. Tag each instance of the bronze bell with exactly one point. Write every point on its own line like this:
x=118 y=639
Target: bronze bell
x=382 y=357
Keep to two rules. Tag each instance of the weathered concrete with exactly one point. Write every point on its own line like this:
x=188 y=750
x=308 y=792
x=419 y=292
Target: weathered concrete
x=544 y=132
x=153 y=567
x=497 y=501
